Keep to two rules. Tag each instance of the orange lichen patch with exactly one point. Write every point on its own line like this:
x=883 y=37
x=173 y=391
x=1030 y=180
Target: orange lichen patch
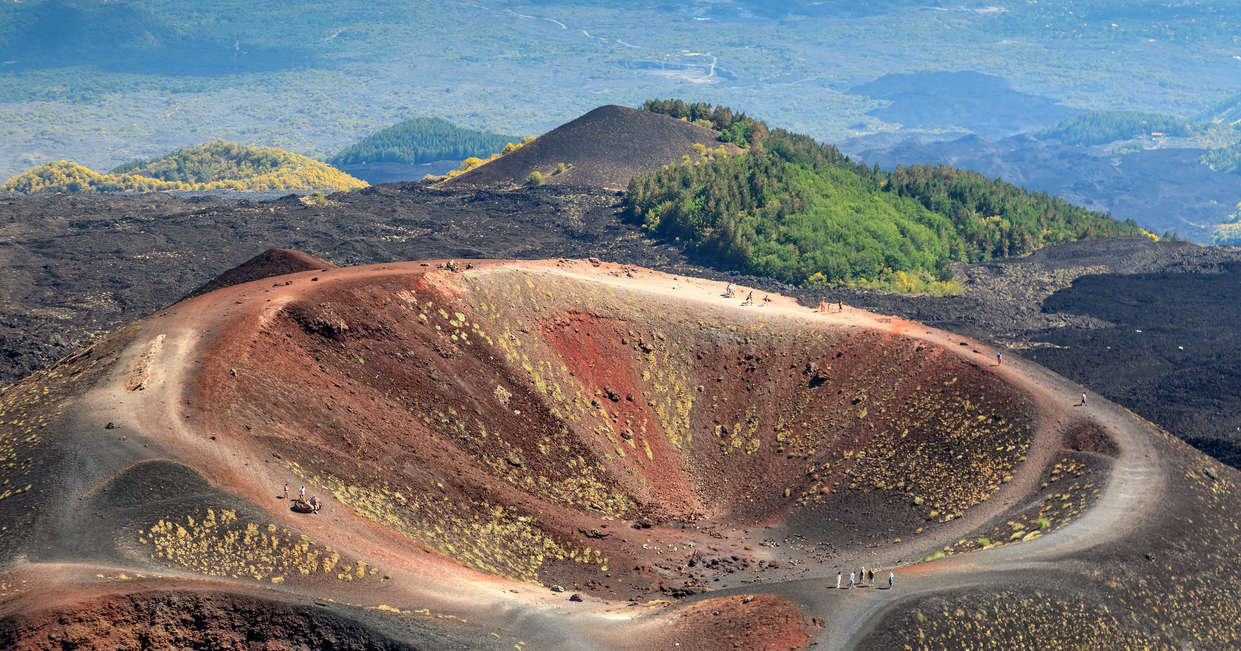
x=737 y=622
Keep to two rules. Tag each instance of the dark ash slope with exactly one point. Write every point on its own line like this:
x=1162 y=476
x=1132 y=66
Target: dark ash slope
x=604 y=148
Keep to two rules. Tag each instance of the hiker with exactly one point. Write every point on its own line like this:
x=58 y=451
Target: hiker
x=766 y=299
x=851 y=579
x=1083 y=402
x=731 y=289
x=999 y=359
x=840 y=306
x=889 y=579
x=286 y=490
x=838 y=580
x=870 y=576
x=749 y=298
x=314 y=504
x=861 y=576
x=822 y=305
x=301 y=493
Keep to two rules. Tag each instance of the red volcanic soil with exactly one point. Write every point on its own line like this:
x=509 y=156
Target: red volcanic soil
x=763 y=621
x=514 y=453
x=272 y=262
x=166 y=620
x=604 y=148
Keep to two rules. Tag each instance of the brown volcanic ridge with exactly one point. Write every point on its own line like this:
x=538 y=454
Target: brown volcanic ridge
x=573 y=454
x=604 y=148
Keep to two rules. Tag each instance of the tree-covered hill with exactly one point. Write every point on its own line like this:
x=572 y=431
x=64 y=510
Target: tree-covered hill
x=422 y=140
x=793 y=209
x=1102 y=127
x=216 y=165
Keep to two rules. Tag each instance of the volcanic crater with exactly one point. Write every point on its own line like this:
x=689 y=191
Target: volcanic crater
x=588 y=423
x=495 y=442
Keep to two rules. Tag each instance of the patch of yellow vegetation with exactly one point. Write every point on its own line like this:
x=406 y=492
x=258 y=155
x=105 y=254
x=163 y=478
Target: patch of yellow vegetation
x=962 y=437
x=219 y=544
x=214 y=166
x=481 y=535
x=1017 y=619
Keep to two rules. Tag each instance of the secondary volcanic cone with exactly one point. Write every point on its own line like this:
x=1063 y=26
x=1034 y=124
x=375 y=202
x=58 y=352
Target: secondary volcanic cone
x=492 y=439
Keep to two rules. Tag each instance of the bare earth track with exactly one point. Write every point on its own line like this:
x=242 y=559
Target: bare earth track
x=690 y=469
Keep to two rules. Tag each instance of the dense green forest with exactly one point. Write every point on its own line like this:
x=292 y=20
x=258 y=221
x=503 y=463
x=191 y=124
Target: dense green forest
x=217 y=165
x=803 y=213
x=422 y=140
x=1102 y=127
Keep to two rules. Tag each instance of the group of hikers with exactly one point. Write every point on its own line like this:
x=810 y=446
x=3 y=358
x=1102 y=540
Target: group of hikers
x=301 y=504
x=731 y=291
x=825 y=306
x=861 y=578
